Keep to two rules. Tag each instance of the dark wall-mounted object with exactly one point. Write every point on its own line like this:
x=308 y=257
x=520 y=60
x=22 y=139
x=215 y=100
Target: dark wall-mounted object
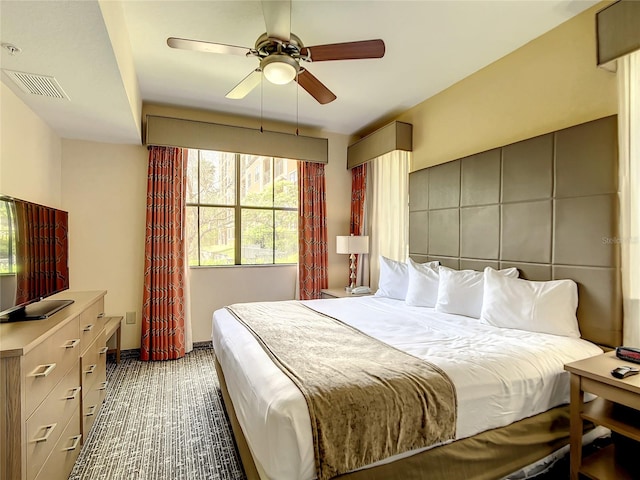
x=618 y=30
x=178 y=132
x=393 y=136
x=34 y=253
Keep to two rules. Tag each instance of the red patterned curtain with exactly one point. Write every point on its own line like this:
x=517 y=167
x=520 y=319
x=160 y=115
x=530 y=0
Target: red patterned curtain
x=358 y=191
x=312 y=225
x=163 y=308
x=41 y=251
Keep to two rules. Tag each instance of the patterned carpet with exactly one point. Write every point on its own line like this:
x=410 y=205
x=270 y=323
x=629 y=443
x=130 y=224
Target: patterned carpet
x=161 y=421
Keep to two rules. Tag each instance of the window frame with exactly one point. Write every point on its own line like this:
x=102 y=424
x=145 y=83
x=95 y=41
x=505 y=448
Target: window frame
x=238 y=208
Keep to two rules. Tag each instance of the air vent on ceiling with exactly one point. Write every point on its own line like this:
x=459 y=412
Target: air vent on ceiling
x=37 y=84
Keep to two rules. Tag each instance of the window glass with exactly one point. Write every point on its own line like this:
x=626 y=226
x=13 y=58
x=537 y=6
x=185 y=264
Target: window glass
x=217 y=234
x=286 y=236
x=257 y=236
x=286 y=185
x=241 y=209
x=192 y=176
x=217 y=178
x=258 y=190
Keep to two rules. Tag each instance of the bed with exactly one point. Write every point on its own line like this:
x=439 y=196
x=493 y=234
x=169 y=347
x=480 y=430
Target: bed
x=500 y=377
x=511 y=388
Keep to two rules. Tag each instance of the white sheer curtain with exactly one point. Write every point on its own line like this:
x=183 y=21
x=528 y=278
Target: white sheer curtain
x=388 y=189
x=629 y=172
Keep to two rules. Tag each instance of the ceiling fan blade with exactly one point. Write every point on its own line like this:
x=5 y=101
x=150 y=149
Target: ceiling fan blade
x=277 y=18
x=315 y=87
x=210 y=47
x=245 y=86
x=345 y=51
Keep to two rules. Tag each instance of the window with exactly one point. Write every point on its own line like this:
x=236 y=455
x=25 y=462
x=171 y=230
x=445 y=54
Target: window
x=238 y=211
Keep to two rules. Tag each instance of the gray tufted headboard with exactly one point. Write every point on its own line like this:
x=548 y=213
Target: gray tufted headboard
x=547 y=205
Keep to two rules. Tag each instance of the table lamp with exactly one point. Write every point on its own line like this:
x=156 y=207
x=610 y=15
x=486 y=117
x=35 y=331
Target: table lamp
x=352 y=245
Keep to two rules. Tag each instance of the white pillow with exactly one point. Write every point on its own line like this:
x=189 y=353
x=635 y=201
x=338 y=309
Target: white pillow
x=546 y=307
x=394 y=278
x=423 y=284
x=460 y=291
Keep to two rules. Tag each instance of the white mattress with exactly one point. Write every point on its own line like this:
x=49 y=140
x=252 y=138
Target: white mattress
x=501 y=375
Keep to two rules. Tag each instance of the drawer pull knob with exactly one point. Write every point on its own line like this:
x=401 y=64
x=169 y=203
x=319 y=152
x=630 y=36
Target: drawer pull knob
x=103 y=386
x=91 y=411
x=91 y=369
x=73 y=394
x=48 y=430
x=103 y=350
x=101 y=315
x=88 y=328
x=72 y=343
x=74 y=445
x=43 y=370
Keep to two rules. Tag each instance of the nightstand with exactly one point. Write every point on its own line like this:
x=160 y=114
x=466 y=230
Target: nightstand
x=340 y=293
x=617 y=408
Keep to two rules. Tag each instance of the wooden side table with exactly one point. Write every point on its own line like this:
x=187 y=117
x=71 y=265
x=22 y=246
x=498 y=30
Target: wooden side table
x=617 y=408
x=112 y=325
x=340 y=293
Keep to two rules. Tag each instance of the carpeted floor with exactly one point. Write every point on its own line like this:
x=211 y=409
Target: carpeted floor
x=161 y=421
x=166 y=421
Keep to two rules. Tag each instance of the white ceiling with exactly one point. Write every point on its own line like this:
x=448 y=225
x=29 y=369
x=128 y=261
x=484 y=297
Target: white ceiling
x=430 y=45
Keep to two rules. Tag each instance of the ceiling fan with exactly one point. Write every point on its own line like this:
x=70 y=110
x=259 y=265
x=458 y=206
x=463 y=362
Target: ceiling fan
x=281 y=52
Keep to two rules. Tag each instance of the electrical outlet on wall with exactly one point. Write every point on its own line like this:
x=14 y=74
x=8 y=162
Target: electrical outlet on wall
x=131 y=318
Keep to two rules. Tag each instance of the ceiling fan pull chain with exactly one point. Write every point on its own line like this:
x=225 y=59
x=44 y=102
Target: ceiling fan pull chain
x=297 y=102
x=261 y=97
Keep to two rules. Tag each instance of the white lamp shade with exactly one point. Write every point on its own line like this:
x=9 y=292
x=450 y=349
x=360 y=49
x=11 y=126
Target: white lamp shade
x=352 y=244
x=279 y=69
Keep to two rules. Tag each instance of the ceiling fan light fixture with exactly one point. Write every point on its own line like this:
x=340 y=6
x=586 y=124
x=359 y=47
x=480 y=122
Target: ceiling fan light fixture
x=279 y=69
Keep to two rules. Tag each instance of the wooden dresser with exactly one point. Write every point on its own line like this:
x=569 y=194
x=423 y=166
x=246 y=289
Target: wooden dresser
x=52 y=384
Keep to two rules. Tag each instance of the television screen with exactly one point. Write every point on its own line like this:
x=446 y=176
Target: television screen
x=33 y=257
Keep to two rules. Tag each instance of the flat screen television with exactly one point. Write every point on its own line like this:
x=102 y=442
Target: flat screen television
x=34 y=257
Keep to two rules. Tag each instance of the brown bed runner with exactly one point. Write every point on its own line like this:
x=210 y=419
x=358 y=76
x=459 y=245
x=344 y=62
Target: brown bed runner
x=367 y=400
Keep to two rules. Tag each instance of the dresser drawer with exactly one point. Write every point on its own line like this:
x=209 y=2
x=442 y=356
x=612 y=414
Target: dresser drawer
x=47 y=363
x=91 y=324
x=91 y=405
x=93 y=364
x=45 y=426
x=64 y=454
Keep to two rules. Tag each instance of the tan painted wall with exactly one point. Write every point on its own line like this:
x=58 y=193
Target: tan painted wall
x=30 y=153
x=104 y=189
x=548 y=84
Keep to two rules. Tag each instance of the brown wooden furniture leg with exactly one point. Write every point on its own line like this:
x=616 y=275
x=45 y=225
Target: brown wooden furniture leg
x=575 y=409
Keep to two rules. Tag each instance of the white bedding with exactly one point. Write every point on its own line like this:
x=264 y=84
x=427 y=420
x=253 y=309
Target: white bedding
x=501 y=375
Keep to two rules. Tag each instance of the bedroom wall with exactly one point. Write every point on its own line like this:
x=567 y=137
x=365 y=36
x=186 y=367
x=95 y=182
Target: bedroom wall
x=30 y=153
x=104 y=189
x=548 y=84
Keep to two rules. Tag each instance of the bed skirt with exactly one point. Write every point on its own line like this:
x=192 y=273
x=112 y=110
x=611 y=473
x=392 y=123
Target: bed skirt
x=490 y=455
